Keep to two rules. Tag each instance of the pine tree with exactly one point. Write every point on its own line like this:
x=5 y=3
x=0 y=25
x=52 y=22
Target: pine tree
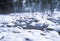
x=6 y=6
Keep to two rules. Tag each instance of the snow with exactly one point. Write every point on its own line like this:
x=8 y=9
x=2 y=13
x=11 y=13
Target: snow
x=17 y=33
x=33 y=35
x=56 y=14
x=50 y=22
x=33 y=24
x=57 y=27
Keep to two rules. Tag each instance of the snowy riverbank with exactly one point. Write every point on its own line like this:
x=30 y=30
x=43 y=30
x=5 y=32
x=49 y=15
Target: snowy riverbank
x=29 y=27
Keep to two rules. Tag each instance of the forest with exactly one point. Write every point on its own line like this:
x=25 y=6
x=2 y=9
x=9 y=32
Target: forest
x=11 y=6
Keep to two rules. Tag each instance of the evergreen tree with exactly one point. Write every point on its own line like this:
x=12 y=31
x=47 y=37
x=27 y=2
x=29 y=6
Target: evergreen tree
x=6 y=6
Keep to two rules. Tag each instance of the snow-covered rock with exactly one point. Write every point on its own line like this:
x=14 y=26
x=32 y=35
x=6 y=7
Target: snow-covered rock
x=10 y=24
x=19 y=34
x=50 y=22
x=33 y=23
x=57 y=28
x=29 y=35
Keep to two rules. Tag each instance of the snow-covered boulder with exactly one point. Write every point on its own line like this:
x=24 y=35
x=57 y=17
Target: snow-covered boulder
x=23 y=24
x=56 y=28
x=29 y=35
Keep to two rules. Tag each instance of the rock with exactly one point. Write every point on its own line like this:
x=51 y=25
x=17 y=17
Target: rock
x=1 y=37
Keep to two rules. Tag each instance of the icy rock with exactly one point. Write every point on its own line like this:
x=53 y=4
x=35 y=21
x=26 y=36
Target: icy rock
x=22 y=18
x=56 y=14
x=38 y=18
x=23 y=24
x=57 y=27
x=50 y=22
x=30 y=17
x=6 y=19
x=1 y=37
x=3 y=29
x=28 y=35
x=53 y=35
x=33 y=23
x=41 y=23
x=10 y=24
x=14 y=30
x=1 y=25
x=12 y=37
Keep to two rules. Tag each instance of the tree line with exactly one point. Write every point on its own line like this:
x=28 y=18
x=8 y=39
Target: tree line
x=9 y=6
